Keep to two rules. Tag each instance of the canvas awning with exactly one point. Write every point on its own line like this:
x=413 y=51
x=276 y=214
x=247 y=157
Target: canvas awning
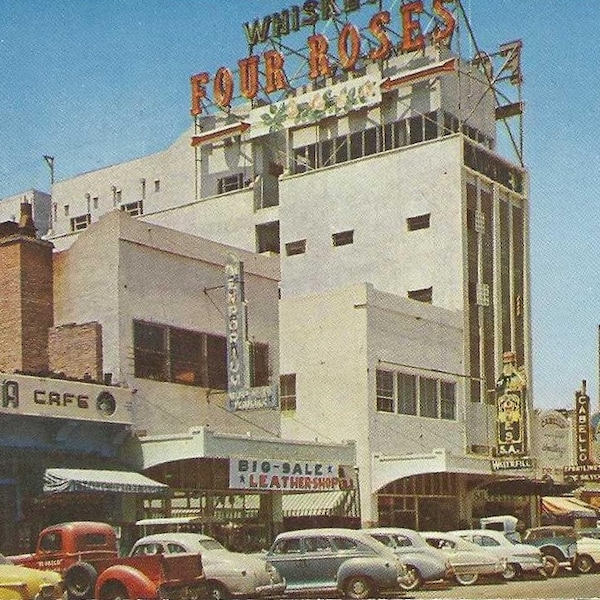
x=330 y=503
x=568 y=507
x=88 y=480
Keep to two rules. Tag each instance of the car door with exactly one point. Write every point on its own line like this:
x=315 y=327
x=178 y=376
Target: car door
x=321 y=562
x=286 y=556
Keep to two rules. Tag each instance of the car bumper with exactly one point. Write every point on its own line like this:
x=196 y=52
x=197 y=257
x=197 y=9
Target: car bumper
x=273 y=590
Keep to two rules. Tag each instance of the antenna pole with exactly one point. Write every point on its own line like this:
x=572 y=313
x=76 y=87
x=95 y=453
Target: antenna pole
x=50 y=162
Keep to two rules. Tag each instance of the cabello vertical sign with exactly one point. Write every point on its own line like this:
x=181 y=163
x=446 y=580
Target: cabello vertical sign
x=584 y=442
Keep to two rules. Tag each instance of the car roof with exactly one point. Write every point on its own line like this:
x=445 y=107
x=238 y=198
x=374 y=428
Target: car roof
x=392 y=530
x=182 y=536
x=322 y=531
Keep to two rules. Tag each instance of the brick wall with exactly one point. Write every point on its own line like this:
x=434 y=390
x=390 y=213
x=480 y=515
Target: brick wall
x=76 y=350
x=26 y=309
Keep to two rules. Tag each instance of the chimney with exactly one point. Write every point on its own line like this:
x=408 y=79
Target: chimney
x=26 y=224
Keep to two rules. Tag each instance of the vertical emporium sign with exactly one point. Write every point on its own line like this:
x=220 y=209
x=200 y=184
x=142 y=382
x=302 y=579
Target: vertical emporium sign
x=237 y=349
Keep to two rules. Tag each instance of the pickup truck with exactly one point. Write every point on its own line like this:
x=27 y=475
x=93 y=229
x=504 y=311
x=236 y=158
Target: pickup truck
x=86 y=554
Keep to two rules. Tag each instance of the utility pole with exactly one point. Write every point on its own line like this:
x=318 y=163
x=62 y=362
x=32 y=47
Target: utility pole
x=50 y=162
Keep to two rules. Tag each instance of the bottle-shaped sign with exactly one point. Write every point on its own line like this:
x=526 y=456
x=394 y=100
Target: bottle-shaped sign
x=510 y=409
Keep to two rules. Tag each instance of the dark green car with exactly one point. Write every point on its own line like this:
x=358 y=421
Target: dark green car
x=558 y=544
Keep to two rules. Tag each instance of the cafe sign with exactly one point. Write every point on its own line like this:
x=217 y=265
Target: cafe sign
x=64 y=399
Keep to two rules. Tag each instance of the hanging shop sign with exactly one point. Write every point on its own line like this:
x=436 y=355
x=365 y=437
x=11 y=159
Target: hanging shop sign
x=510 y=410
x=555 y=444
x=324 y=58
x=64 y=399
x=241 y=396
x=274 y=474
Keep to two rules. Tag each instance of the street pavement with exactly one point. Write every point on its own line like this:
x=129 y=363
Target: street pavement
x=564 y=586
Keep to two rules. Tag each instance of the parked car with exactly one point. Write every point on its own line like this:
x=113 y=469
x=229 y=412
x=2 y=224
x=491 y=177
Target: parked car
x=520 y=558
x=334 y=560
x=228 y=574
x=588 y=552
x=468 y=560
x=23 y=583
x=423 y=563
x=558 y=544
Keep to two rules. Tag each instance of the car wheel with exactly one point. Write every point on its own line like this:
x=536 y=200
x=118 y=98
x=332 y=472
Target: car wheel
x=359 y=588
x=466 y=578
x=511 y=571
x=584 y=563
x=113 y=590
x=80 y=580
x=412 y=579
x=217 y=591
x=551 y=565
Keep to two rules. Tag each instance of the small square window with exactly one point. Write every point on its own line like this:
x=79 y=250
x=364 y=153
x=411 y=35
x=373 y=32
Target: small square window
x=418 y=222
x=157 y=185
x=297 y=247
x=343 y=238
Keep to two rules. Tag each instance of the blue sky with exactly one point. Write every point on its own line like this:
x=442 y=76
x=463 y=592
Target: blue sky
x=96 y=82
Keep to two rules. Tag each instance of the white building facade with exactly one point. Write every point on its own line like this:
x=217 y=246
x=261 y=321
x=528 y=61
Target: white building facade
x=402 y=242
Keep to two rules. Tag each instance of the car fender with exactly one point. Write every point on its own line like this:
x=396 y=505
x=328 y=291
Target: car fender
x=380 y=571
x=137 y=583
x=430 y=567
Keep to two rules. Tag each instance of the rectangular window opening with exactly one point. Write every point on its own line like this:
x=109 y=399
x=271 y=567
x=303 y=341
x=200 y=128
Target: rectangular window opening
x=297 y=247
x=418 y=222
x=343 y=238
x=287 y=391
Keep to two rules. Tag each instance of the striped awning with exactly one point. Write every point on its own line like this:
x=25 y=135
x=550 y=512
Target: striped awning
x=568 y=507
x=89 y=480
x=306 y=504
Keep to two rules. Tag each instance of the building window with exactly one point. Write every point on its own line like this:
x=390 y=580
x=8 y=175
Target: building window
x=134 y=208
x=422 y=295
x=418 y=222
x=80 y=222
x=118 y=196
x=176 y=355
x=428 y=397
x=230 y=183
x=407 y=394
x=448 y=400
x=267 y=237
x=385 y=391
x=297 y=247
x=66 y=207
x=287 y=391
x=95 y=202
x=157 y=185
x=150 y=351
x=343 y=238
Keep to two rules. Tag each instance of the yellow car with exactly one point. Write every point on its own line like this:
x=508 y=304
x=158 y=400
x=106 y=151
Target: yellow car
x=22 y=583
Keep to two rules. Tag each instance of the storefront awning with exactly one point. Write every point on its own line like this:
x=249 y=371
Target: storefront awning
x=88 y=480
x=315 y=503
x=568 y=507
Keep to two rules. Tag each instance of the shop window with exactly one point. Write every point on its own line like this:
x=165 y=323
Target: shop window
x=216 y=362
x=407 y=394
x=385 y=391
x=448 y=400
x=297 y=247
x=418 y=222
x=287 y=391
x=150 y=351
x=343 y=238
x=428 y=405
